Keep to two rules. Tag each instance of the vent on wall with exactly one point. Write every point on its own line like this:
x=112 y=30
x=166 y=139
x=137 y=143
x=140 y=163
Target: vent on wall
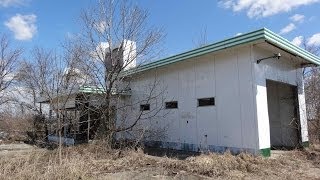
x=144 y=107
x=172 y=105
x=206 y=102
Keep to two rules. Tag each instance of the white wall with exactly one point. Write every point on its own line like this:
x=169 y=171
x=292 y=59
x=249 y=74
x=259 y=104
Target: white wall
x=227 y=76
x=235 y=103
x=285 y=70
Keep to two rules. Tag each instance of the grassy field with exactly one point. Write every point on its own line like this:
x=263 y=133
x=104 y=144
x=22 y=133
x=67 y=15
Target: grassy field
x=96 y=162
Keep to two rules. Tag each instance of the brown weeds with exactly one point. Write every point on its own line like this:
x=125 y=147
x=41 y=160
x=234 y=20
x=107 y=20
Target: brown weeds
x=94 y=161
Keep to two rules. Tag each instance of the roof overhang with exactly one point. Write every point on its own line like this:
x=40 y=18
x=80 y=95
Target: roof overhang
x=251 y=37
x=286 y=45
x=74 y=92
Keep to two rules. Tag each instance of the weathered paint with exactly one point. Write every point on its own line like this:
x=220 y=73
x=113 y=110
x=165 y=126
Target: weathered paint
x=227 y=76
x=239 y=118
x=196 y=148
x=286 y=70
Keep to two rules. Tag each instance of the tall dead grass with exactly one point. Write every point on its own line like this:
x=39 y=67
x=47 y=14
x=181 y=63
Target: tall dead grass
x=94 y=161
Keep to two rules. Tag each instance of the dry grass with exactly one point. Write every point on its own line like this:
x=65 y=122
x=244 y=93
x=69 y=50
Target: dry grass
x=15 y=126
x=94 y=161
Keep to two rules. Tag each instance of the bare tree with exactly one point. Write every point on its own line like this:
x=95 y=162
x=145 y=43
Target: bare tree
x=312 y=92
x=116 y=39
x=312 y=48
x=9 y=59
x=52 y=79
x=202 y=40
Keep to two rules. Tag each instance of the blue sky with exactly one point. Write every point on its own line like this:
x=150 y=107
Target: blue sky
x=43 y=23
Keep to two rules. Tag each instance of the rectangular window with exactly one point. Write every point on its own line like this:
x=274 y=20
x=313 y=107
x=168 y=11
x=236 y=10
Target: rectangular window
x=172 y=105
x=206 y=102
x=144 y=107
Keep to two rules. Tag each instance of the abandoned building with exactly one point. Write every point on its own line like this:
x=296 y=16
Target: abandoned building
x=245 y=93
x=78 y=115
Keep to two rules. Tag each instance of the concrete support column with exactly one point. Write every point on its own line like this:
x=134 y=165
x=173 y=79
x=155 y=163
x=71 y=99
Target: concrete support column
x=302 y=112
x=263 y=119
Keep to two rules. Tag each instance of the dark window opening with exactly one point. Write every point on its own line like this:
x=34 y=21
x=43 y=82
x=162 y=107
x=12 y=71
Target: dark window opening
x=206 y=102
x=172 y=105
x=144 y=107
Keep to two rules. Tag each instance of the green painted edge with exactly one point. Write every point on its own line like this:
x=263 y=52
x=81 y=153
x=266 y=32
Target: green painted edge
x=305 y=144
x=265 y=152
x=261 y=34
x=235 y=41
x=287 y=45
x=87 y=89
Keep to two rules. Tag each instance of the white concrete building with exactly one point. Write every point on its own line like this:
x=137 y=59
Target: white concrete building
x=243 y=94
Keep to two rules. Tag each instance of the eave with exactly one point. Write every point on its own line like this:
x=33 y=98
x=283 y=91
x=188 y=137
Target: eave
x=258 y=35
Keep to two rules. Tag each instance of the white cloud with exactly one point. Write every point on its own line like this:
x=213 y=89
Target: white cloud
x=312 y=18
x=7 y=3
x=23 y=26
x=297 y=40
x=264 y=8
x=290 y=27
x=238 y=34
x=297 y=18
x=101 y=26
x=314 y=40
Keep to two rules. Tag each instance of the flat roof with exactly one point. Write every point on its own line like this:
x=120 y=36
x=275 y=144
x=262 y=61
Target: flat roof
x=261 y=34
x=79 y=90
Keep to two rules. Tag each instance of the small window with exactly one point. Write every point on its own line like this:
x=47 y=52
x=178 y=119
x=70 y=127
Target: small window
x=206 y=102
x=144 y=107
x=172 y=105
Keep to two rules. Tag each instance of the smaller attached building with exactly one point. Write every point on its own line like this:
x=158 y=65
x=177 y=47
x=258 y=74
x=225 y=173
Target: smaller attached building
x=78 y=112
x=245 y=93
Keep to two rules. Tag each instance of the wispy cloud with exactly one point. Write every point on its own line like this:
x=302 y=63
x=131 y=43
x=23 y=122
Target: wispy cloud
x=8 y=3
x=290 y=27
x=297 y=18
x=101 y=26
x=264 y=8
x=23 y=26
x=314 y=40
x=297 y=40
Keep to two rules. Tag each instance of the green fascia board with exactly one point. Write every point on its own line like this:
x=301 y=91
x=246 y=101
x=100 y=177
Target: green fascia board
x=235 y=41
x=265 y=152
x=88 y=89
x=261 y=34
x=83 y=89
x=287 y=45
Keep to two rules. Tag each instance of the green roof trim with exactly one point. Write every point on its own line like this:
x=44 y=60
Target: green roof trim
x=261 y=34
x=287 y=45
x=89 y=89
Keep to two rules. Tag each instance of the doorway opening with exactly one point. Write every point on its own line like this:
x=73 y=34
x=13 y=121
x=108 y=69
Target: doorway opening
x=283 y=115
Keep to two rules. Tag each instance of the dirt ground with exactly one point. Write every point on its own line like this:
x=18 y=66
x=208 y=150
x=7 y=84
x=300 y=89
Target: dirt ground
x=22 y=161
